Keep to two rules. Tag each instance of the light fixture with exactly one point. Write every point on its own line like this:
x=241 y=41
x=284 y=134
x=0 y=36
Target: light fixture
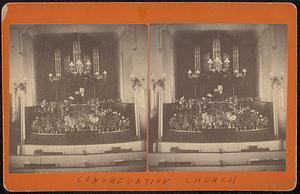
x=216 y=64
x=79 y=67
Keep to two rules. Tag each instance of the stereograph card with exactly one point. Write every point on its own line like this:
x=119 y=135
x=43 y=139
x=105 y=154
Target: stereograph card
x=149 y=96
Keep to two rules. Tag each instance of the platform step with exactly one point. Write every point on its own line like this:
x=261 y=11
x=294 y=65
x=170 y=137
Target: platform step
x=127 y=168
x=234 y=158
x=244 y=168
x=218 y=147
x=65 y=161
x=80 y=149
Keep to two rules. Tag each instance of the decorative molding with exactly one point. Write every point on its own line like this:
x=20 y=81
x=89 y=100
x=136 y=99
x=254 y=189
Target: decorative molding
x=274 y=33
x=122 y=73
x=135 y=38
x=126 y=30
x=261 y=29
x=21 y=50
x=23 y=31
x=160 y=34
x=261 y=75
x=277 y=82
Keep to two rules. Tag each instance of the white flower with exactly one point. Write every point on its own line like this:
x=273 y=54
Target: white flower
x=91 y=116
x=96 y=119
x=81 y=90
x=44 y=102
x=228 y=114
x=233 y=117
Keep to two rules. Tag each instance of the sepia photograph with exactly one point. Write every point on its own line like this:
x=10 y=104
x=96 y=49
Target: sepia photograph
x=149 y=96
x=218 y=97
x=78 y=99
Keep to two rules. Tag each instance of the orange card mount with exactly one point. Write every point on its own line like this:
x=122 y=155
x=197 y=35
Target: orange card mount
x=141 y=16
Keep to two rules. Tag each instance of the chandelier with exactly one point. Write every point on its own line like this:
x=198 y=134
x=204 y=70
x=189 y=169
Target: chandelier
x=78 y=66
x=216 y=64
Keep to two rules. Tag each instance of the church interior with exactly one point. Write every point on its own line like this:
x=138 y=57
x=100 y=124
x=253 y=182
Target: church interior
x=218 y=101
x=163 y=97
x=77 y=98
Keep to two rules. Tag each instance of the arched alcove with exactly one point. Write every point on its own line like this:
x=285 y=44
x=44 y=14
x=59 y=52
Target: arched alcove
x=47 y=44
x=185 y=43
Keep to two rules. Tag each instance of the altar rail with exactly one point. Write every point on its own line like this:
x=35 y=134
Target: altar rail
x=219 y=135
x=82 y=137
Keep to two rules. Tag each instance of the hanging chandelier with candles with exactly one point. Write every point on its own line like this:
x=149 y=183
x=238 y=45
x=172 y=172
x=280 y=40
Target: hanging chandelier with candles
x=216 y=64
x=236 y=64
x=77 y=66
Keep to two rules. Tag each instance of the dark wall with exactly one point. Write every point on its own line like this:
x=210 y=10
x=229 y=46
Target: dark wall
x=248 y=59
x=45 y=46
x=184 y=60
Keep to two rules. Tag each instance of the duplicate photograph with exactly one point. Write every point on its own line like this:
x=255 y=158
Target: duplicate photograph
x=77 y=98
x=218 y=97
x=82 y=99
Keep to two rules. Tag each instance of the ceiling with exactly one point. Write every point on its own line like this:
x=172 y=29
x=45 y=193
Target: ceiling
x=71 y=28
x=230 y=28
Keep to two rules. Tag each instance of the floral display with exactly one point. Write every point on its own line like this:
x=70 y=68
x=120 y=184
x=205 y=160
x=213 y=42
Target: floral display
x=276 y=80
x=59 y=117
x=137 y=82
x=202 y=114
x=158 y=82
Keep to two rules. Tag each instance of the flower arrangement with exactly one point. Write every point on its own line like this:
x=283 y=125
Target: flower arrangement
x=21 y=86
x=276 y=81
x=159 y=82
x=59 y=117
x=137 y=82
x=203 y=114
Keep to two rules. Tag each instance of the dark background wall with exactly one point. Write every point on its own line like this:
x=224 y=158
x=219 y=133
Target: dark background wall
x=45 y=46
x=185 y=41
